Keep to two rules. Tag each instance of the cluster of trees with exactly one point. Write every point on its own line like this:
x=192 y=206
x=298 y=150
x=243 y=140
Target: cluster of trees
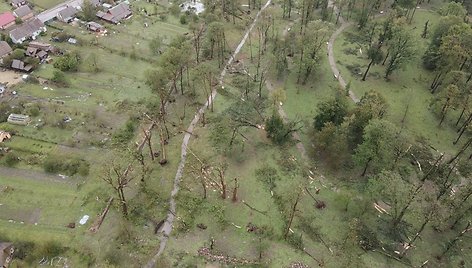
x=398 y=41
x=448 y=56
x=401 y=170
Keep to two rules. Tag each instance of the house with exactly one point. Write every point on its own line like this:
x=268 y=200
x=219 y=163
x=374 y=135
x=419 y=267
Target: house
x=18 y=3
x=6 y=20
x=3 y=137
x=28 y=30
x=23 y=12
x=6 y=254
x=21 y=66
x=18 y=119
x=116 y=14
x=5 y=49
x=67 y=14
x=95 y=27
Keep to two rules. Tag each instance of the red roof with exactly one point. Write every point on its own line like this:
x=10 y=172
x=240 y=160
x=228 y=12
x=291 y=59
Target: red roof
x=6 y=18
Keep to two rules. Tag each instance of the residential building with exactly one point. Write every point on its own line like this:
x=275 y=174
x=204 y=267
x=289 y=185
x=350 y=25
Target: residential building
x=116 y=14
x=5 y=50
x=28 y=30
x=6 y=20
x=67 y=14
x=23 y=12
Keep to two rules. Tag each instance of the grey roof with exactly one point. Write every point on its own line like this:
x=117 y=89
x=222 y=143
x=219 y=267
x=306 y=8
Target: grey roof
x=27 y=29
x=4 y=48
x=20 y=65
x=22 y=11
x=120 y=11
x=116 y=13
x=94 y=25
x=68 y=12
x=42 y=54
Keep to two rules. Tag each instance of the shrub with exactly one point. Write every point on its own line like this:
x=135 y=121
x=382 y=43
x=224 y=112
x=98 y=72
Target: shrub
x=277 y=130
x=67 y=63
x=70 y=167
x=60 y=78
x=51 y=249
x=11 y=159
x=183 y=19
x=125 y=134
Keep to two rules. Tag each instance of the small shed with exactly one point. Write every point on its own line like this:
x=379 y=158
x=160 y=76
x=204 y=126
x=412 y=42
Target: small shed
x=95 y=27
x=6 y=254
x=18 y=119
x=21 y=66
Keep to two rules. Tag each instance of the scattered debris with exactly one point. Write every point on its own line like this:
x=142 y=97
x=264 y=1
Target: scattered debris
x=84 y=219
x=298 y=264
x=71 y=225
x=217 y=257
x=202 y=226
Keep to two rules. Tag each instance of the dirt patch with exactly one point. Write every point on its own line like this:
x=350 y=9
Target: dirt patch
x=10 y=77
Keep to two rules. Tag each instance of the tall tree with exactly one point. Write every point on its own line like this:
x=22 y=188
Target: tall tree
x=377 y=148
x=375 y=55
x=401 y=49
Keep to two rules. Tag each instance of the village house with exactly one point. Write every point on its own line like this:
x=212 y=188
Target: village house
x=4 y=136
x=28 y=30
x=18 y=119
x=6 y=20
x=5 y=50
x=18 y=3
x=116 y=14
x=21 y=66
x=23 y=12
x=67 y=14
x=95 y=27
x=6 y=254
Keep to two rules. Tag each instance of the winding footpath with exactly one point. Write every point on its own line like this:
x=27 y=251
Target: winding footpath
x=168 y=224
x=332 y=62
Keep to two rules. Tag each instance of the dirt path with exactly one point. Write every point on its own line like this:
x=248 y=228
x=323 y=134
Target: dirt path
x=10 y=77
x=168 y=224
x=332 y=62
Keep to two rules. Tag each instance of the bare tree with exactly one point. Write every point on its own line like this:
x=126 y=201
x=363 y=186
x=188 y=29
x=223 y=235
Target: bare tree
x=119 y=177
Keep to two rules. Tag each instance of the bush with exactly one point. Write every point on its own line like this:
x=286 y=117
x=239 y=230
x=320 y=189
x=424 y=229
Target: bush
x=51 y=249
x=67 y=63
x=11 y=159
x=60 y=78
x=183 y=19
x=125 y=134
x=70 y=167
x=277 y=130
